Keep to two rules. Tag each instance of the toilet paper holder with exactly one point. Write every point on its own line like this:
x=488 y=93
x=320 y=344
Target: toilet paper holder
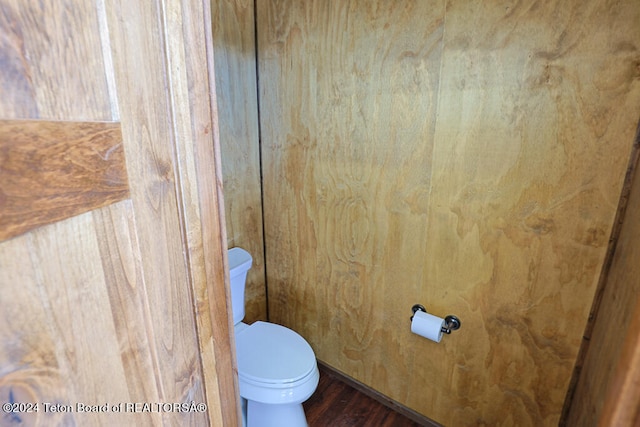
x=451 y=322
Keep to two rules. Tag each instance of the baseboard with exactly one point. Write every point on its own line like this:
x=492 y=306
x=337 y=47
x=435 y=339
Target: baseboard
x=386 y=401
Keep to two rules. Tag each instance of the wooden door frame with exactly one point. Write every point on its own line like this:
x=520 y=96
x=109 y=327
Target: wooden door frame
x=621 y=396
x=192 y=92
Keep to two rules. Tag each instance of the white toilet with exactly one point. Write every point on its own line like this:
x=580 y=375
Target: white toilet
x=277 y=368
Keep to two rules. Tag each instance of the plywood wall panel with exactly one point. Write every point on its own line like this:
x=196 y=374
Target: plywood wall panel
x=465 y=156
x=530 y=154
x=348 y=106
x=236 y=92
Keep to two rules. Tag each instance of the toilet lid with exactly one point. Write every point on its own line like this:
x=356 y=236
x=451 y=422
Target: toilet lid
x=271 y=353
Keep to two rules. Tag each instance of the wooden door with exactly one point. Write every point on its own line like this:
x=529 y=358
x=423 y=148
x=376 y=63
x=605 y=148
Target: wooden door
x=113 y=309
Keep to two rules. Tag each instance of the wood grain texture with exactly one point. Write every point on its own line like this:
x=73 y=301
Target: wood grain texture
x=622 y=402
x=412 y=157
x=53 y=62
x=112 y=299
x=339 y=402
x=50 y=171
x=604 y=277
x=194 y=108
x=614 y=330
x=348 y=99
x=63 y=342
x=117 y=239
x=530 y=156
x=338 y=396
x=236 y=84
x=142 y=67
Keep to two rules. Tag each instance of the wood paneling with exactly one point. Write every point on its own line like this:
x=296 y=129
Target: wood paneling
x=50 y=171
x=348 y=100
x=604 y=274
x=39 y=39
x=468 y=157
x=63 y=339
x=168 y=131
x=614 y=323
x=236 y=90
x=533 y=135
x=622 y=402
x=126 y=303
x=117 y=240
x=193 y=104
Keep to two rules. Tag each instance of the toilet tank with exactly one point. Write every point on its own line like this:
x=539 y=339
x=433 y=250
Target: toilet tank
x=239 y=264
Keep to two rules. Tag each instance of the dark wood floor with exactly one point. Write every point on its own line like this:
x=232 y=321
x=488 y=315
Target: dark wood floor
x=337 y=404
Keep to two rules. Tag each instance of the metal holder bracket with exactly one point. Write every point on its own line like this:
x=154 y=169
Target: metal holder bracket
x=451 y=322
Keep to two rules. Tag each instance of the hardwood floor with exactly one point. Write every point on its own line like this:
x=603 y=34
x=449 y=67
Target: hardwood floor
x=337 y=404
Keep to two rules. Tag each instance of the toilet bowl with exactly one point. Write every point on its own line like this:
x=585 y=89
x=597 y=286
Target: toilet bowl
x=277 y=368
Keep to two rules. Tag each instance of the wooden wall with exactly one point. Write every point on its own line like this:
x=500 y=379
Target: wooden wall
x=466 y=156
x=617 y=307
x=235 y=69
x=107 y=299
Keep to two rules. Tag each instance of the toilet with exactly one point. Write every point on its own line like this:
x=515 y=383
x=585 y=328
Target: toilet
x=277 y=368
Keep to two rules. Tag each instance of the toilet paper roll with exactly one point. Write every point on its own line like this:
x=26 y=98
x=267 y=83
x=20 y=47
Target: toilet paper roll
x=427 y=325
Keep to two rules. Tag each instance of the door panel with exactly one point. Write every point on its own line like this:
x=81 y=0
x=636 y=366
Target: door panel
x=68 y=168
x=53 y=61
x=100 y=308
x=62 y=340
x=119 y=253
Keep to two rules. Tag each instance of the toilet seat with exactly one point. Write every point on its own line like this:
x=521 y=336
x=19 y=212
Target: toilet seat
x=272 y=356
x=276 y=366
